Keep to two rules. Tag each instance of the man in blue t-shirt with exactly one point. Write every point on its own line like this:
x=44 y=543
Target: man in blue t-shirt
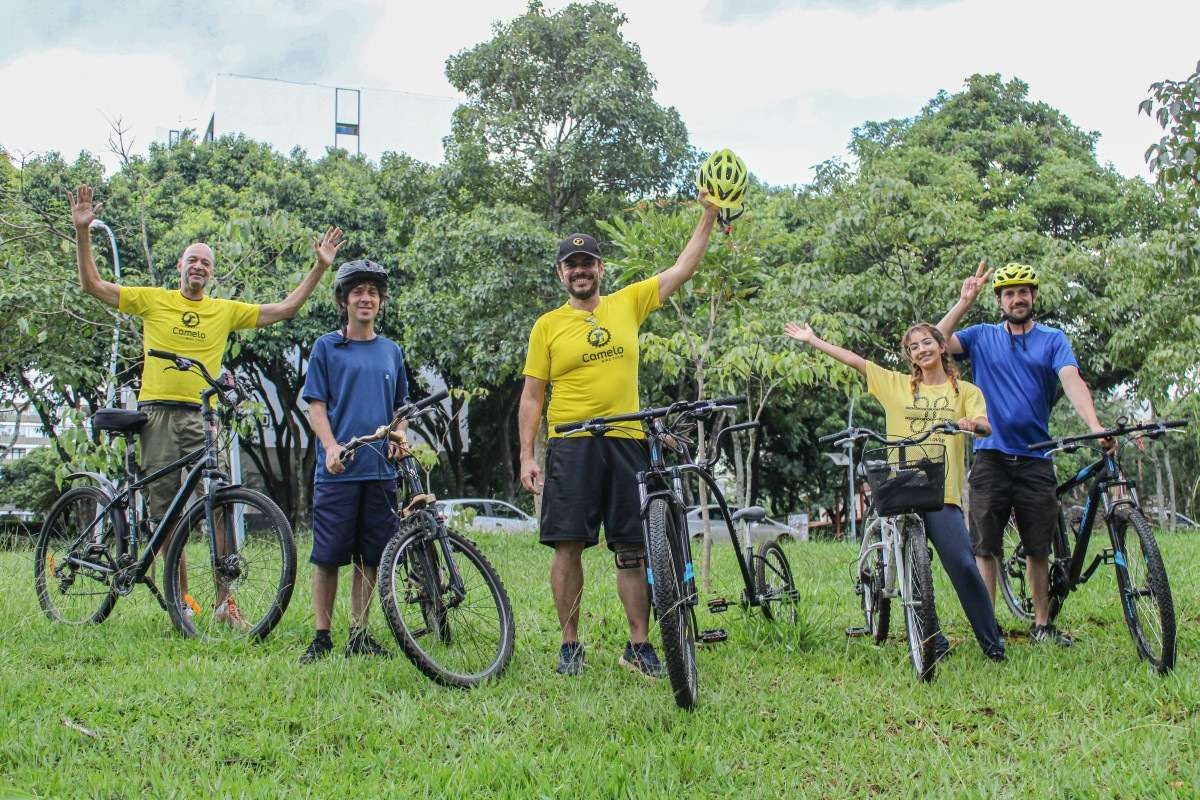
x=1019 y=365
x=355 y=380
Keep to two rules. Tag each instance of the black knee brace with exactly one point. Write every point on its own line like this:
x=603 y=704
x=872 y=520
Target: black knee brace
x=630 y=556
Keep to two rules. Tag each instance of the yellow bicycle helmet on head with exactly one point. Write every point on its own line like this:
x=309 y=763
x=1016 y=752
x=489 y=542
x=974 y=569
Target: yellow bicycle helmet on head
x=1014 y=274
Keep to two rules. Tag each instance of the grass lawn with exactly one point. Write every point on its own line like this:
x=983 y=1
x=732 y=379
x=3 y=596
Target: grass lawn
x=129 y=709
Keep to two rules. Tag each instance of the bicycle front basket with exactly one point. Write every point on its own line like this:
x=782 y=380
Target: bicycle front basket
x=906 y=479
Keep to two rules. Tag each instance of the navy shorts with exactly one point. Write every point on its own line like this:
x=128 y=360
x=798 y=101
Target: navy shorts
x=352 y=522
x=592 y=480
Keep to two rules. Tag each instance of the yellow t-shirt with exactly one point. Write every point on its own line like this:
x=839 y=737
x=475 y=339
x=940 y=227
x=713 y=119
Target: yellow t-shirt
x=907 y=416
x=197 y=329
x=591 y=358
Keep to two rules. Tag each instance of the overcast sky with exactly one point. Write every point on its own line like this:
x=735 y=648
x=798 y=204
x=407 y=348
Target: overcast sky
x=782 y=82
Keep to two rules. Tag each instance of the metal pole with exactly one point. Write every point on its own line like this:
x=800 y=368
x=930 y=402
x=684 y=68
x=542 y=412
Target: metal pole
x=852 y=501
x=112 y=359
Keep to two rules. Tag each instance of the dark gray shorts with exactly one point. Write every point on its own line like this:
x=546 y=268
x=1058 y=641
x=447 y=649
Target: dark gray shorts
x=1020 y=486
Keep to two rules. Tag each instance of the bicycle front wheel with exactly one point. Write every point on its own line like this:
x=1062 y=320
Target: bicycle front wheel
x=1145 y=593
x=458 y=635
x=920 y=615
x=669 y=578
x=1014 y=582
x=774 y=584
x=240 y=588
x=78 y=533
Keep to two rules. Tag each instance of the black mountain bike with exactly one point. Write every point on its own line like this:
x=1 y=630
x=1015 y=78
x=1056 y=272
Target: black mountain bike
x=230 y=557
x=766 y=575
x=1141 y=576
x=443 y=600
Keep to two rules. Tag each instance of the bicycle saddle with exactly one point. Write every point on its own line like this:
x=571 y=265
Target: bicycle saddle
x=751 y=514
x=119 y=420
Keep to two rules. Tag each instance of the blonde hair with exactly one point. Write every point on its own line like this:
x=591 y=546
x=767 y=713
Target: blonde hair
x=947 y=362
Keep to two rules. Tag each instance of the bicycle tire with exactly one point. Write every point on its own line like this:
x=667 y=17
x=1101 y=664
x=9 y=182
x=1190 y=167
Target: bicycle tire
x=667 y=576
x=258 y=572
x=920 y=614
x=61 y=534
x=1014 y=581
x=872 y=579
x=774 y=584
x=412 y=580
x=1145 y=592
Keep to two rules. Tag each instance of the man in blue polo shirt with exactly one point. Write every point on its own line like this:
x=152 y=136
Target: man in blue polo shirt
x=355 y=381
x=1019 y=364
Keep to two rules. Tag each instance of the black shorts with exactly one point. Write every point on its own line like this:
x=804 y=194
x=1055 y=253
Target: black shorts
x=1002 y=486
x=352 y=521
x=592 y=480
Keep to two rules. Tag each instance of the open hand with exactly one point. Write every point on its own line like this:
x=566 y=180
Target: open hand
x=327 y=248
x=82 y=211
x=801 y=333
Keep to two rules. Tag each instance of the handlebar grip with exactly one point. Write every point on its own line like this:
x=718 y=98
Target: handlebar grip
x=568 y=427
x=1042 y=445
x=830 y=438
x=161 y=354
x=437 y=397
x=735 y=400
x=1175 y=423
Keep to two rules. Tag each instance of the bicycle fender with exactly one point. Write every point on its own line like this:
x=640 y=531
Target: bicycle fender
x=106 y=485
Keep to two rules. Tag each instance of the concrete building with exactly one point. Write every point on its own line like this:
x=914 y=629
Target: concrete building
x=315 y=117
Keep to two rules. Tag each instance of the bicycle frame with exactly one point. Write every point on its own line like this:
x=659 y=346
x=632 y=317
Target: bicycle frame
x=891 y=546
x=1105 y=474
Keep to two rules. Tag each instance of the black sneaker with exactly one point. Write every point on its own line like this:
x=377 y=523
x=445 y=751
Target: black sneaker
x=997 y=656
x=642 y=659
x=941 y=648
x=1049 y=633
x=321 y=646
x=362 y=643
x=570 y=659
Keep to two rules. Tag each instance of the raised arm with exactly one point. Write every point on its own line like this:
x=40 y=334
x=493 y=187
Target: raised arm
x=803 y=333
x=529 y=416
x=685 y=266
x=82 y=215
x=967 y=296
x=326 y=251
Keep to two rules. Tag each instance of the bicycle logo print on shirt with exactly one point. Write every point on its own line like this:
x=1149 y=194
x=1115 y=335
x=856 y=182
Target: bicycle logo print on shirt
x=598 y=336
x=190 y=319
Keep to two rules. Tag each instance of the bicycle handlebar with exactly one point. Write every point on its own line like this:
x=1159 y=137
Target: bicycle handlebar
x=1156 y=428
x=858 y=434
x=405 y=412
x=696 y=407
x=185 y=364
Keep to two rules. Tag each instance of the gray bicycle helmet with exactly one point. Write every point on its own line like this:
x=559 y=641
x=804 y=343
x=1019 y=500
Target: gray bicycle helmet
x=353 y=273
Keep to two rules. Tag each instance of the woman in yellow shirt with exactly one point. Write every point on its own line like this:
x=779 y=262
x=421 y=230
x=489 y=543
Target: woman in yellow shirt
x=930 y=394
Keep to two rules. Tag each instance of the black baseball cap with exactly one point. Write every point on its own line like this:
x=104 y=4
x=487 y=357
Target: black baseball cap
x=577 y=243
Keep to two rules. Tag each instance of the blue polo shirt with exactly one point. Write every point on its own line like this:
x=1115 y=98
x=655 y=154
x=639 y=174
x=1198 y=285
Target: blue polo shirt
x=361 y=384
x=1018 y=374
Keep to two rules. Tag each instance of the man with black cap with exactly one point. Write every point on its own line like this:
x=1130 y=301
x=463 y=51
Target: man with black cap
x=587 y=349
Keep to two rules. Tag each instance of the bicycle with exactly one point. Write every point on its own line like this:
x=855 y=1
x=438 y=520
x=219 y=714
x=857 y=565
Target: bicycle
x=766 y=575
x=230 y=539
x=1145 y=593
x=906 y=477
x=443 y=600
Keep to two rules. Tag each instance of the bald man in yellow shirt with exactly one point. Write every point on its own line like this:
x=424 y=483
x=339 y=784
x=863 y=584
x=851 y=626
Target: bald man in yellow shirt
x=587 y=351
x=188 y=322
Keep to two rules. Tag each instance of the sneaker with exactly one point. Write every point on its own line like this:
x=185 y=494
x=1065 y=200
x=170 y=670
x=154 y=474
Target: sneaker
x=231 y=615
x=362 y=643
x=570 y=659
x=941 y=648
x=642 y=659
x=189 y=607
x=322 y=645
x=1049 y=633
x=997 y=656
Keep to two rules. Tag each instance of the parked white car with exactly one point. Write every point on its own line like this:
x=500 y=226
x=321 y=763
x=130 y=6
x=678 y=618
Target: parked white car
x=759 y=531
x=483 y=514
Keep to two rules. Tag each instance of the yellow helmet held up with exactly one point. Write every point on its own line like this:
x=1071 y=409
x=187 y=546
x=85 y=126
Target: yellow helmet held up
x=723 y=176
x=1014 y=274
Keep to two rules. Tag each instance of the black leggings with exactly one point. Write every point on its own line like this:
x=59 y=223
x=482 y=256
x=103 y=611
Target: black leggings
x=948 y=532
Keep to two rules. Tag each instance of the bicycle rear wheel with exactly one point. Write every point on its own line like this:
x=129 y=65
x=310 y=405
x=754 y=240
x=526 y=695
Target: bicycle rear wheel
x=77 y=531
x=872 y=581
x=669 y=576
x=1145 y=593
x=457 y=638
x=920 y=615
x=1014 y=583
x=774 y=584
x=243 y=589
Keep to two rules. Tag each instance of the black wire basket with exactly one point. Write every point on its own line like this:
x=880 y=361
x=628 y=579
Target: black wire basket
x=908 y=479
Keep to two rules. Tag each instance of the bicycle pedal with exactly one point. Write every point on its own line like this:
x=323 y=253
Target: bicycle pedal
x=859 y=631
x=713 y=635
x=717 y=605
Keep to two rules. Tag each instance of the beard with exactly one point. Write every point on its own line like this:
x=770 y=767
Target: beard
x=584 y=292
x=1019 y=316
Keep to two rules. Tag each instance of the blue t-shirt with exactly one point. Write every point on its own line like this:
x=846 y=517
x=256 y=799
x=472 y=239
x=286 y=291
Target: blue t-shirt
x=361 y=384
x=1018 y=374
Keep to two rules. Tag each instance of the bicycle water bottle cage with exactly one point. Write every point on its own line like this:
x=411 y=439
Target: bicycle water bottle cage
x=121 y=421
